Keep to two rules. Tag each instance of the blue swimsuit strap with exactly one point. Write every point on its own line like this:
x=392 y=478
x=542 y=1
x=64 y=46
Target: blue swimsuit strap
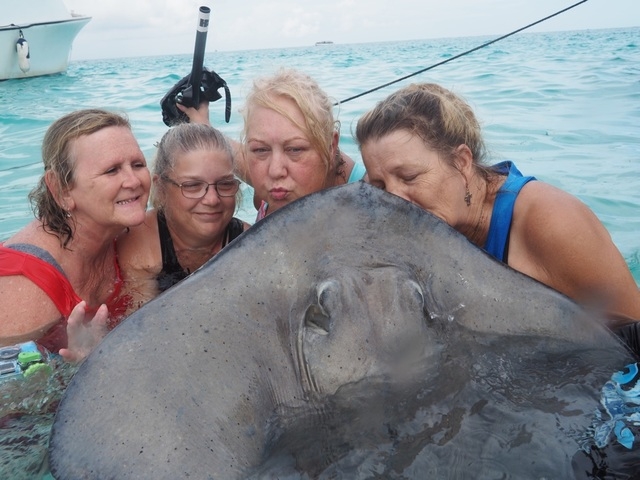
x=498 y=240
x=357 y=173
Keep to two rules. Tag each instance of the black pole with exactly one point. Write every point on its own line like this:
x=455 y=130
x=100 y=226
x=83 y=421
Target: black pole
x=198 y=55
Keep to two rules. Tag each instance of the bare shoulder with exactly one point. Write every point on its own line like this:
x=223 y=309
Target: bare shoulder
x=26 y=312
x=544 y=212
x=558 y=240
x=139 y=247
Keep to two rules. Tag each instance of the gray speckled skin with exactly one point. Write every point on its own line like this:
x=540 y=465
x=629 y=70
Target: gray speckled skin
x=319 y=339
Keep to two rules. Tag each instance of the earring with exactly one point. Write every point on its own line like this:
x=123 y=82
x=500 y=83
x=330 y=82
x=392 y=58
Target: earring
x=467 y=196
x=66 y=213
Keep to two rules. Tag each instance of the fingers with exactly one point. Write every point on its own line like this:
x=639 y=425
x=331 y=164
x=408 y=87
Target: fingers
x=77 y=315
x=68 y=355
x=100 y=320
x=83 y=336
x=196 y=115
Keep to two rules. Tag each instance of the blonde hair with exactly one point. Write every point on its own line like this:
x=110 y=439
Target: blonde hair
x=314 y=104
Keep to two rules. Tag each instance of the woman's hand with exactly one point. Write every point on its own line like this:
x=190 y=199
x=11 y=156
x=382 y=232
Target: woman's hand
x=83 y=335
x=196 y=115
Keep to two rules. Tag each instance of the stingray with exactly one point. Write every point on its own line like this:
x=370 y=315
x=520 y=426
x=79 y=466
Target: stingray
x=349 y=335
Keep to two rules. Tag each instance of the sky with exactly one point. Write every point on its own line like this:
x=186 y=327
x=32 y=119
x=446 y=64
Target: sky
x=131 y=28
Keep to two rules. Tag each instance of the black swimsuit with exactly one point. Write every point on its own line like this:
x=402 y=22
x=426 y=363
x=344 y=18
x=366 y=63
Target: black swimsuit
x=172 y=272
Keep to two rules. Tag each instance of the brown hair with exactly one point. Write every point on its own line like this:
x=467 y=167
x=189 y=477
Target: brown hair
x=59 y=161
x=443 y=121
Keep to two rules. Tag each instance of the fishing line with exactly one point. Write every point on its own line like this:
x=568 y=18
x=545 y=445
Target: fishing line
x=459 y=55
x=432 y=66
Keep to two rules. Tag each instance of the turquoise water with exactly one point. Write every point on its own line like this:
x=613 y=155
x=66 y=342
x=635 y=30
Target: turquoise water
x=565 y=106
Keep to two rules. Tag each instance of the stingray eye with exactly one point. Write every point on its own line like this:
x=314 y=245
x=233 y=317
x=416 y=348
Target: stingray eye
x=316 y=320
x=318 y=315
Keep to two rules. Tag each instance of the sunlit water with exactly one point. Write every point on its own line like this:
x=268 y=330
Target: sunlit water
x=564 y=106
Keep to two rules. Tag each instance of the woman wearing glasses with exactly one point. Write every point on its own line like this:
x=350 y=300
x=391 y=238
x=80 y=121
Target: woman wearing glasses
x=194 y=197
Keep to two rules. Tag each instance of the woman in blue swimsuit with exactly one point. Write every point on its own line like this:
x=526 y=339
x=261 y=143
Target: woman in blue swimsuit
x=424 y=144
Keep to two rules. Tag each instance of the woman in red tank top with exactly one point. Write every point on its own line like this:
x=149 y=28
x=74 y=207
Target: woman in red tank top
x=95 y=186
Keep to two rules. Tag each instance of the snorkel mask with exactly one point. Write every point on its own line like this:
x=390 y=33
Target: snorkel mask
x=199 y=83
x=183 y=93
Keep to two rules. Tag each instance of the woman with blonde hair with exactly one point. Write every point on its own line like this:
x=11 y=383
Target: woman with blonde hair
x=289 y=144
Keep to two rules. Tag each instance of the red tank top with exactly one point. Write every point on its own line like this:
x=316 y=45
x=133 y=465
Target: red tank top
x=57 y=287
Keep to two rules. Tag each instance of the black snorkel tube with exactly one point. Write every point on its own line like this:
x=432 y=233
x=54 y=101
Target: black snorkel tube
x=200 y=83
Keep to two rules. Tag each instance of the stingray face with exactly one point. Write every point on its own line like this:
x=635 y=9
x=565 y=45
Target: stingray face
x=383 y=308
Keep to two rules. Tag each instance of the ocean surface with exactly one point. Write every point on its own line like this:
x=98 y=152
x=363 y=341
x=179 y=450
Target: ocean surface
x=565 y=106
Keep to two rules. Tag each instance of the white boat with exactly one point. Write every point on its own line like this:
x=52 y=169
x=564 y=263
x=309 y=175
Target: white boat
x=36 y=37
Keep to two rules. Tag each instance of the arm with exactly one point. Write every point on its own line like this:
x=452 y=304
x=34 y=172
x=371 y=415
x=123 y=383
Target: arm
x=32 y=314
x=558 y=240
x=196 y=115
x=201 y=115
x=27 y=312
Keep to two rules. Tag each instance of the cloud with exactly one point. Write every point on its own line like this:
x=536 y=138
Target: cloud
x=151 y=27
x=301 y=23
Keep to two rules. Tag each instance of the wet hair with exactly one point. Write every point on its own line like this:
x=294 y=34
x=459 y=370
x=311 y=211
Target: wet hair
x=311 y=100
x=443 y=121
x=181 y=139
x=58 y=158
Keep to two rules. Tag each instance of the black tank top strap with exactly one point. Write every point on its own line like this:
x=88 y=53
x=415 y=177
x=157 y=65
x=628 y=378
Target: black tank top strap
x=172 y=272
x=234 y=229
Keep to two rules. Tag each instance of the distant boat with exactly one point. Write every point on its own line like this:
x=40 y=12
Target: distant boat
x=36 y=37
x=324 y=42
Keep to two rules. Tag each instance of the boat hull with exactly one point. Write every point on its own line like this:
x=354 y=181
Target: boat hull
x=49 y=47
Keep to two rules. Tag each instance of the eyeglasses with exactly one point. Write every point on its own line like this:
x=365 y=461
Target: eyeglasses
x=195 y=189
